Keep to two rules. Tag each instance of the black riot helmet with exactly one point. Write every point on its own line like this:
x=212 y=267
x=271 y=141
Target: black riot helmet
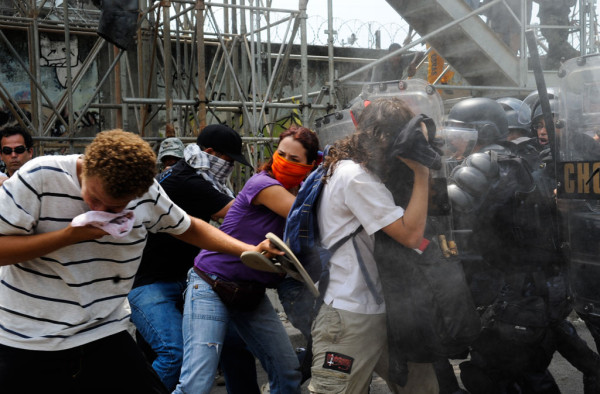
x=511 y=108
x=531 y=109
x=484 y=115
x=537 y=115
x=537 y=110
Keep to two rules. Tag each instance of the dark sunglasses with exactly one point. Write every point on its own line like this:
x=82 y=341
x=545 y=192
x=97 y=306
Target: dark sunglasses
x=18 y=150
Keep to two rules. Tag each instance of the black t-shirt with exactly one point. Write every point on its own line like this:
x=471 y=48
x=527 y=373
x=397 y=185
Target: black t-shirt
x=165 y=257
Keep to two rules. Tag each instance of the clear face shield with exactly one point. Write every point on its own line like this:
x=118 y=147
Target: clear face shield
x=459 y=140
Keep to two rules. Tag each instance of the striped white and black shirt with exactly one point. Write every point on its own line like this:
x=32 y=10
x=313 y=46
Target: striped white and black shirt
x=76 y=294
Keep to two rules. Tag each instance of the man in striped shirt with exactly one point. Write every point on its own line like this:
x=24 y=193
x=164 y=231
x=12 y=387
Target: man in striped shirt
x=63 y=289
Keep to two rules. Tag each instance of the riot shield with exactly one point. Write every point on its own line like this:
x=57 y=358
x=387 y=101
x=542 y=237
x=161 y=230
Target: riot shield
x=421 y=97
x=578 y=178
x=334 y=126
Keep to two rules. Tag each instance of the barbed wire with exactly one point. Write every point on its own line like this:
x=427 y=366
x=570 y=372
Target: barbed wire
x=357 y=33
x=350 y=33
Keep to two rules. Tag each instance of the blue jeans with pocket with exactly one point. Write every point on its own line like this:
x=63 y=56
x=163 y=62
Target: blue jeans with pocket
x=156 y=314
x=205 y=320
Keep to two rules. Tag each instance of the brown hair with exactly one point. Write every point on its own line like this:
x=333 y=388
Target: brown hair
x=378 y=126
x=124 y=162
x=306 y=137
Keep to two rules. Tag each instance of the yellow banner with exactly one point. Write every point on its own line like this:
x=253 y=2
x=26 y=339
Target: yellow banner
x=435 y=67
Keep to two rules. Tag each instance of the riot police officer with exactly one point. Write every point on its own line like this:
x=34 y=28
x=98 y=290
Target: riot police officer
x=519 y=281
x=578 y=194
x=516 y=129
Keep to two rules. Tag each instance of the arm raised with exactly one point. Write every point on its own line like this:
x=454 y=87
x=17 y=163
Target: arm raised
x=409 y=229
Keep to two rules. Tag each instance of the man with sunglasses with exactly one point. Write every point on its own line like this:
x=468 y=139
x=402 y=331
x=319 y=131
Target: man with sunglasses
x=16 y=146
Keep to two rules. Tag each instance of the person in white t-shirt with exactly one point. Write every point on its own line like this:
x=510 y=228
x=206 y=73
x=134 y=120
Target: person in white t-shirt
x=349 y=331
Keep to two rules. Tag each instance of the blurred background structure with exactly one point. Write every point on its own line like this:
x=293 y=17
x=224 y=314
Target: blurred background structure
x=69 y=69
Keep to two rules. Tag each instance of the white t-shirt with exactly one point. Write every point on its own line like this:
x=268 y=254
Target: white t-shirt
x=76 y=294
x=351 y=197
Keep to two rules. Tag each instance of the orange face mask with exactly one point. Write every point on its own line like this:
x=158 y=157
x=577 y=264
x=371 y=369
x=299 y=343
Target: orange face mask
x=290 y=174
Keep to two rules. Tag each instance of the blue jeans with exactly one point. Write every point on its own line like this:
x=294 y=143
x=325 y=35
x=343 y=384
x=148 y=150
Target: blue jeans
x=205 y=320
x=156 y=314
x=238 y=365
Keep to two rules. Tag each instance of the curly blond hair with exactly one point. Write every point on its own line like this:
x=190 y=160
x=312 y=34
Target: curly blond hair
x=123 y=161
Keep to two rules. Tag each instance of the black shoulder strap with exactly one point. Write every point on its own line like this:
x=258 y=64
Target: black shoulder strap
x=366 y=275
x=324 y=279
x=342 y=241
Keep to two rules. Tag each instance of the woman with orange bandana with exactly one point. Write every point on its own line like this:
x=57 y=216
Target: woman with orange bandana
x=260 y=207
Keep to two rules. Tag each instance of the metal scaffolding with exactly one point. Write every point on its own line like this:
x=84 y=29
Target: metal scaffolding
x=193 y=63
x=164 y=75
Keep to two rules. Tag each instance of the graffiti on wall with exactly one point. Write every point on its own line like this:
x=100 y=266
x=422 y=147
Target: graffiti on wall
x=55 y=54
x=58 y=55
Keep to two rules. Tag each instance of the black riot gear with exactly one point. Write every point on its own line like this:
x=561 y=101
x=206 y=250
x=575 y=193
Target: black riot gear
x=485 y=115
x=514 y=231
x=537 y=110
x=511 y=107
x=507 y=220
x=472 y=180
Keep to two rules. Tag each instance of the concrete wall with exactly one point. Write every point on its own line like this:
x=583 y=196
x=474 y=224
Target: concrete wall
x=53 y=54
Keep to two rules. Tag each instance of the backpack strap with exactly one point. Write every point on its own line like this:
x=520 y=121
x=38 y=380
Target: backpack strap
x=324 y=279
x=342 y=241
x=361 y=264
x=363 y=268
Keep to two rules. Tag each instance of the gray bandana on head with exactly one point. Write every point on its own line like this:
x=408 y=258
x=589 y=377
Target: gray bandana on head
x=213 y=169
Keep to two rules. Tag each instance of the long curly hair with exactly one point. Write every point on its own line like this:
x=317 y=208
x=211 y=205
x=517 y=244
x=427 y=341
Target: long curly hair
x=377 y=128
x=123 y=161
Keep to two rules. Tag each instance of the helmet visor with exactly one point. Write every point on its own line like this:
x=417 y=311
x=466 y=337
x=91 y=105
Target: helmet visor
x=459 y=139
x=531 y=103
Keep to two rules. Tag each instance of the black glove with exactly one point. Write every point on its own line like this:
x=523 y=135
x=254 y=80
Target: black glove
x=545 y=155
x=411 y=143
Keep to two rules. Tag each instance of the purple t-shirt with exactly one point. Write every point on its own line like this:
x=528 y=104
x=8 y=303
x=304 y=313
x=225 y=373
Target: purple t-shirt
x=248 y=223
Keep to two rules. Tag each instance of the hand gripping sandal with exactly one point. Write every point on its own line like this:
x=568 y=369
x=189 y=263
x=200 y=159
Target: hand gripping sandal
x=288 y=263
x=260 y=262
